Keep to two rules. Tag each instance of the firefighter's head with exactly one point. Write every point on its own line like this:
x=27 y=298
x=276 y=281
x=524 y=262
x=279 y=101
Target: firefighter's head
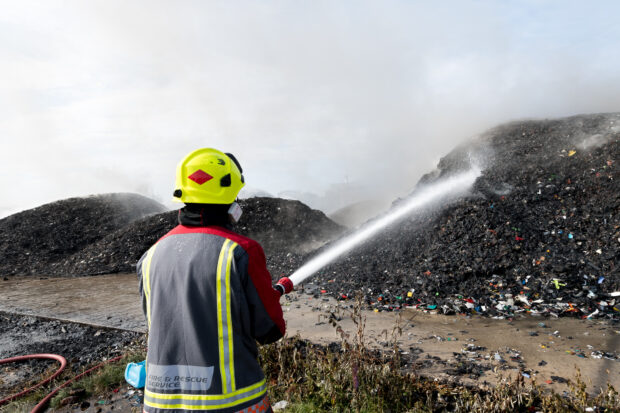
x=208 y=176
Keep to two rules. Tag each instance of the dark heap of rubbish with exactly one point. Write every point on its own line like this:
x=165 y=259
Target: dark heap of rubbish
x=540 y=233
x=33 y=240
x=98 y=239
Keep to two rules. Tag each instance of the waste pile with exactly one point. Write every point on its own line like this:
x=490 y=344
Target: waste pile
x=285 y=228
x=540 y=234
x=31 y=241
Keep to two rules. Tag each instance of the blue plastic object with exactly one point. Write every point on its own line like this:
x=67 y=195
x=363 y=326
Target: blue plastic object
x=135 y=374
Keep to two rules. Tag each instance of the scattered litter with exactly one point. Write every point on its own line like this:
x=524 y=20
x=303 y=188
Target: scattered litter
x=559 y=379
x=558 y=284
x=281 y=405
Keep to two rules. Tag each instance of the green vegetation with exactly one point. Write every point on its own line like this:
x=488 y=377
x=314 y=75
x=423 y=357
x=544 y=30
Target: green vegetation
x=352 y=378
x=99 y=382
x=103 y=380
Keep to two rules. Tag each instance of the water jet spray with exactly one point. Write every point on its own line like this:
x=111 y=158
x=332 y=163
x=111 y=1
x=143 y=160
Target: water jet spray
x=443 y=190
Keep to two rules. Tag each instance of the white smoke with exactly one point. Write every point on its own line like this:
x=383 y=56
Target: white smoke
x=105 y=96
x=442 y=191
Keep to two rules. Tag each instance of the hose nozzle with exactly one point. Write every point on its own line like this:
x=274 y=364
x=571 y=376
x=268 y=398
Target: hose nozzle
x=284 y=285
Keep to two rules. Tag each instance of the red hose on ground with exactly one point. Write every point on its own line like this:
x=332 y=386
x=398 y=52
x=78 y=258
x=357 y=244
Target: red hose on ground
x=61 y=359
x=41 y=406
x=63 y=363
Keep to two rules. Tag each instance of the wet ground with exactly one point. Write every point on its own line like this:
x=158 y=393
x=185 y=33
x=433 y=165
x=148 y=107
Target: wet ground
x=469 y=350
x=106 y=301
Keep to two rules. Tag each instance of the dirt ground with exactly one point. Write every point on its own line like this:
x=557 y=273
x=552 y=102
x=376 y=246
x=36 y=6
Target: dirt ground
x=464 y=349
x=475 y=350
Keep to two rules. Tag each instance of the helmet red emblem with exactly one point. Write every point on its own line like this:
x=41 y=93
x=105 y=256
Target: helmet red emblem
x=200 y=177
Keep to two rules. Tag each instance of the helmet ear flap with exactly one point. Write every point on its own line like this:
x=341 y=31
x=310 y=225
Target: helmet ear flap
x=232 y=157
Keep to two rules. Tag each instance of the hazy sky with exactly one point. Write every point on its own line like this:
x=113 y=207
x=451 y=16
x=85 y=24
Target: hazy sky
x=107 y=96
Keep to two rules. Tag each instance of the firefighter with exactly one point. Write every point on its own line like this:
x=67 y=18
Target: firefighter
x=208 y=298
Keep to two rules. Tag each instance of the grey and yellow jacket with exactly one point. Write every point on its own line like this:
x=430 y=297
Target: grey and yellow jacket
x=207 y=297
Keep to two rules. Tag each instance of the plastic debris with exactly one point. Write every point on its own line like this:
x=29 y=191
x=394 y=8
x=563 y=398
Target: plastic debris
x=559 y=379
x=281 y=405
x=558 y=284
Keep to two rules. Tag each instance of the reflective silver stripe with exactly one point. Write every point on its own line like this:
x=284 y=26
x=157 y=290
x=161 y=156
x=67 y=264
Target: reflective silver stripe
x=204 y=402
x=225 y=333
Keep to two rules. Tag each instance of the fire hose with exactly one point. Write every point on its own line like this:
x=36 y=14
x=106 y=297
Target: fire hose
x=284 y=285
x=63 y=363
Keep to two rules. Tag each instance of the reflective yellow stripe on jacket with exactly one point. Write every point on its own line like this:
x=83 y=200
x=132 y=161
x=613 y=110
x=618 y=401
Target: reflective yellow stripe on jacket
x=146 y=282
x=204 y=402
x=224 y=320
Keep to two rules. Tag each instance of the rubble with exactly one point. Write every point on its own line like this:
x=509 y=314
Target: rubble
x=34 y=240
x=285 y=228
x=82 y=345
x=540 y=235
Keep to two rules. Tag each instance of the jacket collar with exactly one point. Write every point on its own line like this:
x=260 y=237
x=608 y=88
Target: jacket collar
x=204 y=216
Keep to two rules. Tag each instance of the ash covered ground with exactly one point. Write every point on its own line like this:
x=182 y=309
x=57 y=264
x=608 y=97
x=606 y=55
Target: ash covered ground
x=81 y=345
x=540 y=232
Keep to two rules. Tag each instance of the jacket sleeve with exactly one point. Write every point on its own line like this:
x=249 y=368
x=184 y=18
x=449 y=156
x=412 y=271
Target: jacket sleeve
x=267 y=320
x=140 y=284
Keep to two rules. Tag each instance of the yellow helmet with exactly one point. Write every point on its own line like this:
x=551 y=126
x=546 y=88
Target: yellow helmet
x=208 y=176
